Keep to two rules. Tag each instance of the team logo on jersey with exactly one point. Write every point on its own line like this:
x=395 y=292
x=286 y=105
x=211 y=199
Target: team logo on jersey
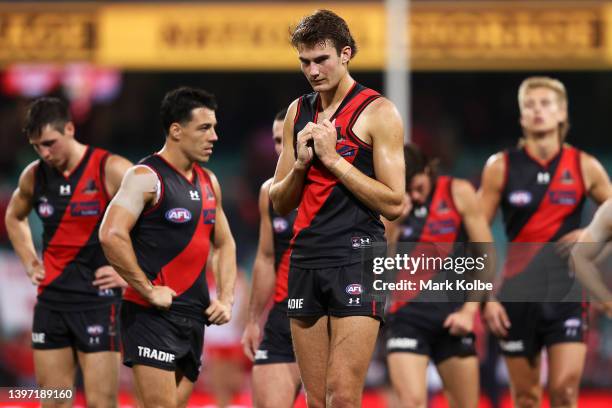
x=407 y=231
x=420 y=212
x=353 y=289
x=45 y=209
x=279 y=224
x=443 y=207
x=209 y=215
x=90 y=187
x=520 y=198
x=209 y=193
x=563 y=197
x=346 y=151
x=65 y=190
x=95 y=330
x=566 y=177
x=178 y=215
x=85 y=208
x=361 y=242
x=543 y=177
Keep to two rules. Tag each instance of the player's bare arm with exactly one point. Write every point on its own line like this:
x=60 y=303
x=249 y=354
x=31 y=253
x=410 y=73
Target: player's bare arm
x=264 y=276
x=380 y=125
x=115 y=168
x=492 y=185
x=138 y=190
x=18 y=228
x=224 y=247
x=286 y=188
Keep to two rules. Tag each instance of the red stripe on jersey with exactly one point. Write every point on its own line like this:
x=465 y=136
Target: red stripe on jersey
x=74 y=230
x=185 y=268
x=567 y=184
x=282 y=277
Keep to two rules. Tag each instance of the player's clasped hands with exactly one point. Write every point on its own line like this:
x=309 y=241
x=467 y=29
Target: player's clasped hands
x=219 y=312
x=317 y=138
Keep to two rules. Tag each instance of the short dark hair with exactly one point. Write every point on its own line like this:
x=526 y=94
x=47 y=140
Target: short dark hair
x=280 y=115
x=323 y=25
x=418 y=162
x=46 y=111
x=177 y=105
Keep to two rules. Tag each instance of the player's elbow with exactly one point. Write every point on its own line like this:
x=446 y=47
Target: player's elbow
x=278 y=203
x=109 y=237
x=393 y=209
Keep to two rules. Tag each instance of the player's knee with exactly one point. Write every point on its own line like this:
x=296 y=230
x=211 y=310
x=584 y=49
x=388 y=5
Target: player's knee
x=526 y=399
x=102 y=400
x=271 y=400
x=563 y=394
x=342 y=395
x=158 y=400
x=408 y=400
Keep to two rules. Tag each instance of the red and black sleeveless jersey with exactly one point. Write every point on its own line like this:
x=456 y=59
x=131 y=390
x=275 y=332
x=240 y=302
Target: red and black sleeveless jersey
x=71 y=209
x=172 y=239
x=542 y=202
x=332 y=226
x=436 y=221
x=282 y=230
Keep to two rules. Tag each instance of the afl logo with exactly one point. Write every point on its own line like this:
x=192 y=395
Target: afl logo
x=95 y=330
x=280 y=224
x=353 y=289
x=178 y=215
x=520 y=198
x=45 y=210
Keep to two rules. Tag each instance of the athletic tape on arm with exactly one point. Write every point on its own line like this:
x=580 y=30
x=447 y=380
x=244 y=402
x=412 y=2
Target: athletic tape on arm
x=133 y=187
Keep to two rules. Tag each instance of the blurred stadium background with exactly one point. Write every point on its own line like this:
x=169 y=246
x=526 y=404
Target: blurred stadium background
x=114 y=61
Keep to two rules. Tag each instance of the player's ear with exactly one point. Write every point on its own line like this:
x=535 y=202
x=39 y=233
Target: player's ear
x=345 y=54
x=175 y=132
x=69 y=129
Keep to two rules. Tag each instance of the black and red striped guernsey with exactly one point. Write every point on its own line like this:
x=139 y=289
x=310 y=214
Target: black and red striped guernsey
x=71 y=209
x=172 y=239
x=332 y=226
x=436 y=221
x=542 y=201
x=282 y=230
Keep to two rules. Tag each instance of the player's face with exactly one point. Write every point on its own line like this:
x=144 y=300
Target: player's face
x=322 y=65
x=419 y=188
x=277 y=135
x=53 y=146
x=199 y=135
x=541 y=111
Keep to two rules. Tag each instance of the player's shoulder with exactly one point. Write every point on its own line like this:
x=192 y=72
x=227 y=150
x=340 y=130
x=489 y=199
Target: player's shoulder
x=28 y=174
x=265 y=186
x=462 y=187
x=496 y=162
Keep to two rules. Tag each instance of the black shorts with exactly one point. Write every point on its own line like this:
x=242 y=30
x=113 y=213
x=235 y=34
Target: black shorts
x=338 y=291
x=276 y=345
x=417 y=328
x=162 y=340
x=537 y=325
x=89 y=331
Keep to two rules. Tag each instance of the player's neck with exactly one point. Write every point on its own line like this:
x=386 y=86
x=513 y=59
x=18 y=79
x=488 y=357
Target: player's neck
x=543 y=147
x=178 y=160
x=334 y=96
x=77 y=151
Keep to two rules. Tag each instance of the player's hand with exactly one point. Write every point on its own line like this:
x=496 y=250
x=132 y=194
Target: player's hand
x=36 y=272
x=108 y=278
x=406 y=208
x=566 y=242
x=496 y=318
x=305 y=152
x=250 y=339
x=219 y=312
x=460 y=323
x=161 y=297
x=325 y=136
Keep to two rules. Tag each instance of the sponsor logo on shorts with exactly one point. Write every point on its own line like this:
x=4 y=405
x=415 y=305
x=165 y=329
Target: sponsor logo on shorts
x=572 y=326
x=467 y=341
x=280 y=224
x=154 y=354
x=354 y=301
x=403 y=343
x=519 y=198
x=512 y=345
x=261 y=355
x=353 y=289
x=178 y=215
x=38 y=338
x=85 y=209
x=106 y=292
x=295 y=304
x=45 y=210
x=361 y=242
x=95 y=330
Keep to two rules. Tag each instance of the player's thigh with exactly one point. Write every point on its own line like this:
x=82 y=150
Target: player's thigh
x=55 y=368
x=461 y=381
x=311 y=345
x=408 y=373
x=100 y=376
x=275 y=385
x=184 y=388
x=158 y=388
